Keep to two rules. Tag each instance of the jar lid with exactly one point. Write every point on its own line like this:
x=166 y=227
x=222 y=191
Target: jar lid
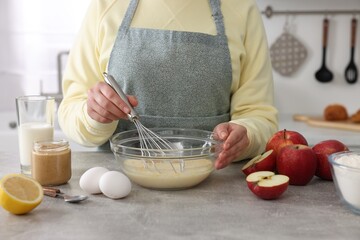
x=51 y=145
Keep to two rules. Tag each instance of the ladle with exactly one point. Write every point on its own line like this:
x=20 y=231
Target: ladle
x=324 y=74
x=55 y=192
x=351 y=72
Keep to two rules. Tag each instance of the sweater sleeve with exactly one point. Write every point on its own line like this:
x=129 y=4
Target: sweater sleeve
x=83 y=71
x=252 y=101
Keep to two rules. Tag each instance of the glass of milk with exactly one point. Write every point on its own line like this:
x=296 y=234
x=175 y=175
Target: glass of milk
x=35 y=116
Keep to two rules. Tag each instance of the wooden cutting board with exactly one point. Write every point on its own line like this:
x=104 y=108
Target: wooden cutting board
x=318 y=121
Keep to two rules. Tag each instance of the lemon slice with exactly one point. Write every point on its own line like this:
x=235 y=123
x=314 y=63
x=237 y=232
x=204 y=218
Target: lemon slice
x=20 y=194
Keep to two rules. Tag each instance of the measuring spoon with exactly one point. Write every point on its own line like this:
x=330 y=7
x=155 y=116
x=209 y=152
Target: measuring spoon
x=324 y=74
x=55 y=192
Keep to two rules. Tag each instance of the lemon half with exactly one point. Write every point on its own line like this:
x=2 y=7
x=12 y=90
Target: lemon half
x=20 y=194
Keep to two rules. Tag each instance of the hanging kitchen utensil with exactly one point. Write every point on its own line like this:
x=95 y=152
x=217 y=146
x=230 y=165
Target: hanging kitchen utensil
x=324 y=74
x=287 y=53
x=351 y=72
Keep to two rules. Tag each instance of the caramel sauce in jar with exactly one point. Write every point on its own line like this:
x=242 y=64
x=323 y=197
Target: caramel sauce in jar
x=51 y=162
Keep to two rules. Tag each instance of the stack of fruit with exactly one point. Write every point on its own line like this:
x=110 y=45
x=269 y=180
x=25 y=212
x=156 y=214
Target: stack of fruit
x=287 y=153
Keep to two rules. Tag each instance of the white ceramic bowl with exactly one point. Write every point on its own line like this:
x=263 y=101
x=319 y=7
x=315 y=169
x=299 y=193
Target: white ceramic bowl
x=345 y=169
x=188 y=164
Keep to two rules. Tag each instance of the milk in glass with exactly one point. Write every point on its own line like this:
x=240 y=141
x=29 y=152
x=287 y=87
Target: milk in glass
x=28 y=134
x=35 y=123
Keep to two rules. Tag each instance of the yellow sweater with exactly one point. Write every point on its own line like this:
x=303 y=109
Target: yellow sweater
x=252 y=84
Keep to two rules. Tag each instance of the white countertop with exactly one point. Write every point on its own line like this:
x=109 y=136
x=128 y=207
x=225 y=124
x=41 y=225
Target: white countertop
x=221 y=207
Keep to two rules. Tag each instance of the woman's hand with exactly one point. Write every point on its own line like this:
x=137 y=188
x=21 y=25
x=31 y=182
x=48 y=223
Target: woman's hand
x=104 y=104
x=234 y=139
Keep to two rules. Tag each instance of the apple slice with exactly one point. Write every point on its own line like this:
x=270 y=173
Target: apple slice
x=263 y=162
x=267 y=185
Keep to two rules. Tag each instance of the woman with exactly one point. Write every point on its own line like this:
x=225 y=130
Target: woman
x=192 y=64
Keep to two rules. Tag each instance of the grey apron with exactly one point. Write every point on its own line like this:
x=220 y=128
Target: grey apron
x=181 y=79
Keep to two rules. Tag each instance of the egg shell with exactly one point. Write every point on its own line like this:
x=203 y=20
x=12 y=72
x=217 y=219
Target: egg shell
x=89 y=181
x=115 y=185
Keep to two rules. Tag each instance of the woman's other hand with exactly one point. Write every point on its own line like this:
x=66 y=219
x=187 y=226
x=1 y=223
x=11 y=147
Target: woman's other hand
x=235 y=140
x=104 y=104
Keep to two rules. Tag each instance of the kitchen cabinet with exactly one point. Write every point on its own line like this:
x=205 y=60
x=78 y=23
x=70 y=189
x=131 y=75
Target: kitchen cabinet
x=222 y=207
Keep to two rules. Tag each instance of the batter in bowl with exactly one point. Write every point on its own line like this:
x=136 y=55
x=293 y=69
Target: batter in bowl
x=161 y=174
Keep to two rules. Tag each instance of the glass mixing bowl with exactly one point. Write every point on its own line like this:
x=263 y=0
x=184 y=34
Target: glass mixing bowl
x=188 y=163
x=345 y=169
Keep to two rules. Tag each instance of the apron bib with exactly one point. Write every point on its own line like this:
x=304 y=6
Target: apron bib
x=181 y=79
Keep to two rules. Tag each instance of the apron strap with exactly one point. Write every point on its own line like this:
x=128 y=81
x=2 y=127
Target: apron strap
x=126 y=22
x=218 y=17
x=215 y=8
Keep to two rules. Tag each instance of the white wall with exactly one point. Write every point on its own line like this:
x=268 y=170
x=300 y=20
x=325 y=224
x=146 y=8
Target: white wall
x=31 y=35
x=302 y=93
x=33 y=32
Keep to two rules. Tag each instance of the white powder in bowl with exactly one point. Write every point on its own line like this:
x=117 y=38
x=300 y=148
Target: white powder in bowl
x=348 y=179
x=349 y=161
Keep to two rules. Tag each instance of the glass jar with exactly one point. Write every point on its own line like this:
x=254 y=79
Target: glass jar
x=51 y=162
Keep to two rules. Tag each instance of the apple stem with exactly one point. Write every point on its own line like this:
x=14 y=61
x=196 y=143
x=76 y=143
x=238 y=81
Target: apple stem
x=284 y=133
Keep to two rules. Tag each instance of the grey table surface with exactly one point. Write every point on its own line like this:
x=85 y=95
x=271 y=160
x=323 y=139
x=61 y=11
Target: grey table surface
x=222 y=207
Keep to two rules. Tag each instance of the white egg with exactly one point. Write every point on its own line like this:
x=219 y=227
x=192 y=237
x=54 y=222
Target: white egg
x=89 y=181
x=114 y=184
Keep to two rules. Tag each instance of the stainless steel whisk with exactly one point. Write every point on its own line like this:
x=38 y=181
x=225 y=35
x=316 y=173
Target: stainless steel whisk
x=151 y=144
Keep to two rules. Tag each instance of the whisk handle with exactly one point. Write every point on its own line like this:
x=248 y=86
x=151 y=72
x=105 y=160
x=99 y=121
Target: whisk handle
x=112 y=83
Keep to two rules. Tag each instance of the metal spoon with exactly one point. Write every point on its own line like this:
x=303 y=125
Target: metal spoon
x=351 y=72
x=55 y=192
x=323 y=74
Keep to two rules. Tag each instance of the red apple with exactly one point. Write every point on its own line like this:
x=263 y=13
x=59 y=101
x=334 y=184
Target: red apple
x=267 y=185
x=263 y=162
x=283 y=138
x=322 y=150
x=298 y=162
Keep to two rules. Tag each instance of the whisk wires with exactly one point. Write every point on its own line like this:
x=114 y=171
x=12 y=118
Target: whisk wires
x=153 y=145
